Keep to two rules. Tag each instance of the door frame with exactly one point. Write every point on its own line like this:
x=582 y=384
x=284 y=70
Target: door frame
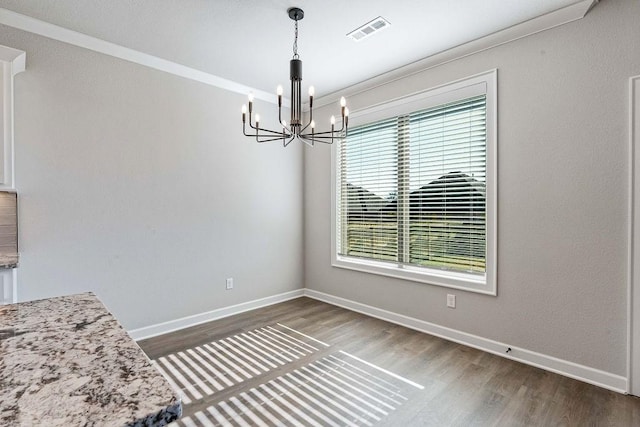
x=633 y=294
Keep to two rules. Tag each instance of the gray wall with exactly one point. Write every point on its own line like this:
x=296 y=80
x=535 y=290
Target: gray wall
x=562 y=195
x=137 y=185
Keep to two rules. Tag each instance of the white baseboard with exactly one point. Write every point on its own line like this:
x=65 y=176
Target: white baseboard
x=197 y=319
x=563 y=367
x=569 y=369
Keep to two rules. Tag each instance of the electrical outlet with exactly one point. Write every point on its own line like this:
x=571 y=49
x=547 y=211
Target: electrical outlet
x=451 y=301
x=230 y=283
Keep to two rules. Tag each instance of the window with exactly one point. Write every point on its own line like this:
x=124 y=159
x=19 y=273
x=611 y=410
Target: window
x=415 y=188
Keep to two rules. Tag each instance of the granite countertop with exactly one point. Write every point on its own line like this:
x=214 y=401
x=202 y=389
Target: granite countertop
x=9 y=260
x=67 y=362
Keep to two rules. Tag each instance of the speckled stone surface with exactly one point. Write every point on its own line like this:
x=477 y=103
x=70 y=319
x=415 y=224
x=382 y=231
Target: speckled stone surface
x=67 y=362
x=9 y=260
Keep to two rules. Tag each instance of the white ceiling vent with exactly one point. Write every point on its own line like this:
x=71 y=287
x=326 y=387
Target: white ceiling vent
x=369 y=29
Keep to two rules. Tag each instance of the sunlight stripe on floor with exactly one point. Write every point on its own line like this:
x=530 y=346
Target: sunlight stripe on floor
x=275 y=355
x=336 y=395
x=401 y=378
x=218 y=416
x=210 y=354
x=187 y=421
x=289 y=406
x=186 y=385
x=212 y=367
x=342 y=390
x=183 y=397
x=243 y=358
x=246 y=411
x=235 y=364
x=354 y=371
x=259 y=408
x=343 y=383
x=330 y=391
x=216 y=373
x=284 y=343
x=233 y=414
x=259 y=335
x=328 y=398
x=302 y=404
x=196 y=380
x=254 y=355
x=316 y=402
x=303 y=345
x=304 y=335
x=204 y=420
x=204 y=374
x=276 y=408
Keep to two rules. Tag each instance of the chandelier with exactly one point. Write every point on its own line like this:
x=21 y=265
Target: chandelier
x=295 y=129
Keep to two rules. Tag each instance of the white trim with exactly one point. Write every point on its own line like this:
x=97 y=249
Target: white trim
x=481 y=83
x=542 y=23
x=12 y=62
x=633 y=287
x=16 y=57
x=197 y=319
x=8 y=286
x=61 y=34
x=569 y=369
x=536 y=25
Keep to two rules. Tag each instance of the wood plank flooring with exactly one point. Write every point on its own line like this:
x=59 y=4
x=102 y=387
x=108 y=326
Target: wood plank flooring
x=305 y=363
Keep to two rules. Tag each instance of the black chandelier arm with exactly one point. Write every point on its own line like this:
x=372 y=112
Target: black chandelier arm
x=311 y=139
x=271 y=136
x=345 y=120
x=268 y=138
x=280 y=109
x=320 y=137
x=328 y=134
x=258 y=140
x=285 y=143
x=259 y=129
x=305 y=128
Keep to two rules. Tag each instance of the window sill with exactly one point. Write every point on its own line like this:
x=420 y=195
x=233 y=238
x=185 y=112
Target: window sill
x=455 y=280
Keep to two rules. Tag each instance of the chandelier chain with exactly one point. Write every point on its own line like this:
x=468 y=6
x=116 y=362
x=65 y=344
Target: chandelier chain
x=295 y=42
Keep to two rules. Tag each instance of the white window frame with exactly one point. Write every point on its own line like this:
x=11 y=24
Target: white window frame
x=474 y=85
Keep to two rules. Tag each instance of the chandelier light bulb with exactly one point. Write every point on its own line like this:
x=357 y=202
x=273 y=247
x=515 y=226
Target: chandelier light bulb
x=333 y=120
x=343 y=102
x=257 y=118
x=279 y=90
x=250 y=96
x=244 y=109
x=313 y=124
x=312 y=91
x=346 y=112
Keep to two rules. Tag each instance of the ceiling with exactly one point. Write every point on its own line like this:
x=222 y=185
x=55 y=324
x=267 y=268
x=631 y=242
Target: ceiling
x=250 y=41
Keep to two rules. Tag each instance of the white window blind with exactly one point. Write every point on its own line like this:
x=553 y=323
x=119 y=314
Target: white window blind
x=446 y=186
x=411 y=190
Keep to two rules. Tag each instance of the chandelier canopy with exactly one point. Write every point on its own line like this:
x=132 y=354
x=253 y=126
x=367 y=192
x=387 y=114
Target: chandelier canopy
x=295 y=129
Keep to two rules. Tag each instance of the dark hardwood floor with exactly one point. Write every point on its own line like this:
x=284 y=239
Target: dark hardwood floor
x=304 y=362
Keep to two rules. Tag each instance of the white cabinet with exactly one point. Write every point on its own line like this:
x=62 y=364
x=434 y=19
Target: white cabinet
x=12 y=62
x=8 y=286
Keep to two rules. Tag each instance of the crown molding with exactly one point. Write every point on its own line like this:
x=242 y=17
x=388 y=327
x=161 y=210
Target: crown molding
x=536 y=25
x=64 y=35
x=550 y=20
